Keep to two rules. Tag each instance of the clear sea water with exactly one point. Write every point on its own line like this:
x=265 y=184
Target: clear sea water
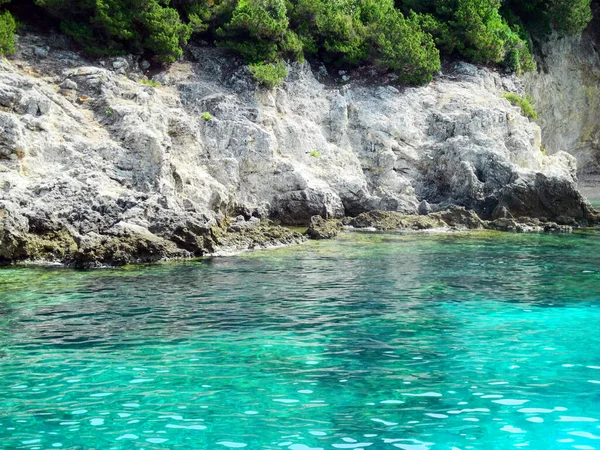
x=416 y=341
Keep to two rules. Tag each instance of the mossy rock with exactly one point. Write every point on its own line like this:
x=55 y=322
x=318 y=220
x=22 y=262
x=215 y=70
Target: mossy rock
x=53 y=246
x=395 y=221
x=320 y=228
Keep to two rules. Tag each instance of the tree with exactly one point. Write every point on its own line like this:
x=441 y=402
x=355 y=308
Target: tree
x=113 y=26
x=7 y=33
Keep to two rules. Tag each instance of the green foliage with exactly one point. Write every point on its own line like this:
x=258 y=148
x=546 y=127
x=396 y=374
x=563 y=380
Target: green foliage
x=541 y=16
x=570 y=16
x=150 y=83
x=108 y=113
x=404 y=36
x=352 y=32
x=269 y=75
x=8 y=26
x=314 y=153
x=524 y=103
x=400 y=44
x=207 y=116
x=257 y=29
x=114 y=26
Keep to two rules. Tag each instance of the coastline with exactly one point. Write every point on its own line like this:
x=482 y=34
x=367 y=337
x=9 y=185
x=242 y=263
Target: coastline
x=237 y=236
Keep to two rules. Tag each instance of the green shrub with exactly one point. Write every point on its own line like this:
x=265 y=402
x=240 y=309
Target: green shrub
x=400 y=44
x=207 y=116
x=524 y=103
x=541 y=16
x=570 y=16
x=314 y=153
x=269 y=75
x=257 y=30
x=8 y=26
x=114 y=26
x=150 y=83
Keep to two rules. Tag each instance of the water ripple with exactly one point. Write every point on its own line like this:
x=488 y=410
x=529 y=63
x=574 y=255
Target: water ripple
x=401 y=341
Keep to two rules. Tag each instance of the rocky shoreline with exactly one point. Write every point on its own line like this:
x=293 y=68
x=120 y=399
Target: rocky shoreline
x=101 y=165
x=231 y=236
x=454 y=219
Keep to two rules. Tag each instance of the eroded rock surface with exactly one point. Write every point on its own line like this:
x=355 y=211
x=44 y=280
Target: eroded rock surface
x=98 y=165
x=566 y=90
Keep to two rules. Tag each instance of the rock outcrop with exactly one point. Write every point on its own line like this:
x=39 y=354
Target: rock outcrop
x=566 y=90
x=567 y=98
x=99 y=164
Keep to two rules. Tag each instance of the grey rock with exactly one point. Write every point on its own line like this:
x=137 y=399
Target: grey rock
x=501 y=212
x=119 y=63
x=465 y=68
x=424 y=208
x=68 y=84
x=40 y=52
x=144 y=160
x=566 y=90
x=320 y=228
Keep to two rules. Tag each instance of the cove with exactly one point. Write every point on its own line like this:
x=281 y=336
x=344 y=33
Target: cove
x=409 y=341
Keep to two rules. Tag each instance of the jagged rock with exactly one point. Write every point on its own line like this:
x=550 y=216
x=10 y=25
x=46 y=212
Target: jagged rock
x=460 y=218
x=149 y=156
x=68 y=84
x=456 y=218
x=424 y=208
x=40 y=52
x=500 y=212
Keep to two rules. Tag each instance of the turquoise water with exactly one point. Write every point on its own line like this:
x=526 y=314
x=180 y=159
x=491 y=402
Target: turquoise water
x=465 y=341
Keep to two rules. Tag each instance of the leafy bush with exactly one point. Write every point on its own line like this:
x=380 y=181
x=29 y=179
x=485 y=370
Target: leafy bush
x=269 y=75
x=256 y=29
x=114 y=26
x=525 y=104
x=207 y=116
x=570 y=16
x=8 y=26
x=315 y=153
x=400 y=44
x=541 y=16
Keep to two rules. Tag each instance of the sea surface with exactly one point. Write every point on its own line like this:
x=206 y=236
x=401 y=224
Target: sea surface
x=411 y=341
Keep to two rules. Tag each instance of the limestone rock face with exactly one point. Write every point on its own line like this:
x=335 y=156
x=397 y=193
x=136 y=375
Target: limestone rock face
x=91 y=151
x=566 y=89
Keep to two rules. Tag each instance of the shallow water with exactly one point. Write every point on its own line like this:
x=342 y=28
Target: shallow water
x=485 y=341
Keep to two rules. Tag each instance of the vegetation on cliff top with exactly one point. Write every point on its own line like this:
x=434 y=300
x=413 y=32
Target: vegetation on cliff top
x=403 y=36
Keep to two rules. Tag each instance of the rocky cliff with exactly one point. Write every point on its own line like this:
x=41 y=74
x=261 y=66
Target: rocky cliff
x=99 y=164
x=566 y=89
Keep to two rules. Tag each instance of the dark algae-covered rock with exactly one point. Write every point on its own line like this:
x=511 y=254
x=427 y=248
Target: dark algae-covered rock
x=454 y=218
x=129 y=244
x=320 y=228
